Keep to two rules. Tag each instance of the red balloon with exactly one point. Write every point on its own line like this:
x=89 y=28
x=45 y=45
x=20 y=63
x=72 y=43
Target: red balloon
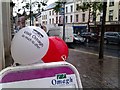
x=58 y=50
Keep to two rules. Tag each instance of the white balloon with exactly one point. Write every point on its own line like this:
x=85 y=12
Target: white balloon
x=29 y=45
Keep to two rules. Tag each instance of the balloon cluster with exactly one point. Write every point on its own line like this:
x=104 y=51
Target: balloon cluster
x=32 y=45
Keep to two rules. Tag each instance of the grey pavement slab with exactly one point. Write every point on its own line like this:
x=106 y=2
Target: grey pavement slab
x=93 y=74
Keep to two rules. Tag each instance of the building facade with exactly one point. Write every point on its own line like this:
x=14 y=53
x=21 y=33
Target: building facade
x=72 y=17
x=79 y=19
x=112 y=16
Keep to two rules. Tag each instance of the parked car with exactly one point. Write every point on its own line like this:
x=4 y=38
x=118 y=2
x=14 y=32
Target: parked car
x=89 y=36
x=112 y=37
x=78 y=39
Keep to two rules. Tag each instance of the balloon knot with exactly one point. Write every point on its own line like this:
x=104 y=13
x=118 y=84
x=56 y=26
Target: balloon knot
x=63 y=57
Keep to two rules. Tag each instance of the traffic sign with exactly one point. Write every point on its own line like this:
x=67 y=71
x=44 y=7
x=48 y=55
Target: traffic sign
x=61 y=11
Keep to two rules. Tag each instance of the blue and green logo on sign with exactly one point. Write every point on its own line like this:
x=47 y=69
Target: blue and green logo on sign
x=61 y=76
x=62 y=79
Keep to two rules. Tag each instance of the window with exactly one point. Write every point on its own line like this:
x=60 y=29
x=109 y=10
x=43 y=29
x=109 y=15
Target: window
x=56 y=20
x=49 y=21
x=66 y=18
x=110 y=15
x=111 y=12
x=111 y=3
x=71 y=7
x=83 y=17
x=101 y=18
x=77 y=6
x=60 y=20
x=42 y=17
x=71 y=17
x=43 y=22
x=119 y=33
x=66 y=9
x=50 y=13
x=77 y=18
x=52 y=20
x=110 y=18
x=45 y=17
x=56 y=13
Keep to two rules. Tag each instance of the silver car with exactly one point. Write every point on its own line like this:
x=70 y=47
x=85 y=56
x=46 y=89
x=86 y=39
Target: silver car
x=78 y=39
x=112 y=37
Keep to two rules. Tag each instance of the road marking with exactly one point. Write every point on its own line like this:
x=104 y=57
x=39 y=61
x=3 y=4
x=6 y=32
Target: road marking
x=93 y=53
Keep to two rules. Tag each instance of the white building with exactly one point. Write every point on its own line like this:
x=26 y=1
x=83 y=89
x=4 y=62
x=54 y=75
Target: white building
x=72 y=16
x=79 y=19
x=112 y=16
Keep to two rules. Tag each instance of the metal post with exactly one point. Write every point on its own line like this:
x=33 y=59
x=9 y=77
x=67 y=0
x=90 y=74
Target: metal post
x=64 y=21
x=101 y=49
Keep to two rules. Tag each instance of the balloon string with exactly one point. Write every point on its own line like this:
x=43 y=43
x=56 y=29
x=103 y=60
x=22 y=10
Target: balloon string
x=63 y=57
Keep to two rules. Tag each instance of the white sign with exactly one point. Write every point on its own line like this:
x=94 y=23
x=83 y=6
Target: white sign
x=48 y=75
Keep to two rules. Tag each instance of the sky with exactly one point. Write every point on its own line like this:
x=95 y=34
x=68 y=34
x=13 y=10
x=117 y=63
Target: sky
x=51 y=1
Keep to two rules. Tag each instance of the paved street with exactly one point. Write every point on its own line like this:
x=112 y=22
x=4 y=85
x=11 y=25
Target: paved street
x=93 y=74
x=109 y=49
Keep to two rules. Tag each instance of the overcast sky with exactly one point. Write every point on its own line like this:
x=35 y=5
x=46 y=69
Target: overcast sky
x=51 y=1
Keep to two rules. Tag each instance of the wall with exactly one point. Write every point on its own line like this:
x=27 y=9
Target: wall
x=2 y=59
